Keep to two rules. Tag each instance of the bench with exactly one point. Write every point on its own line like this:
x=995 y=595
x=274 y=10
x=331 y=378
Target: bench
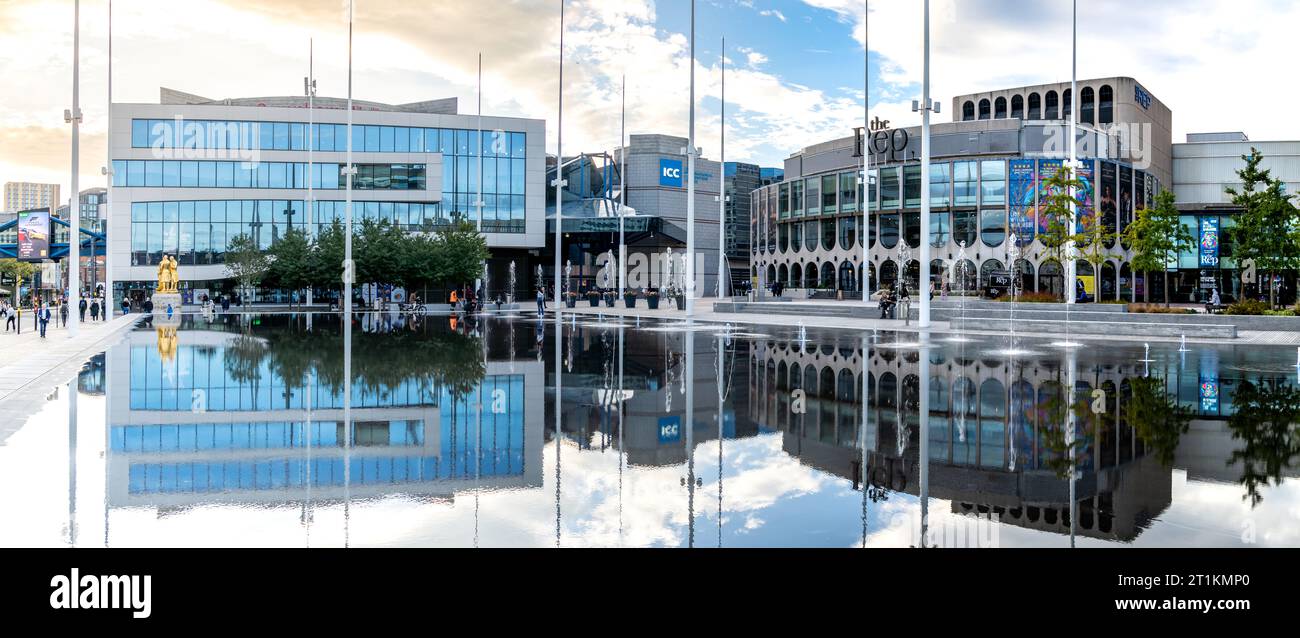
x=1215 y=309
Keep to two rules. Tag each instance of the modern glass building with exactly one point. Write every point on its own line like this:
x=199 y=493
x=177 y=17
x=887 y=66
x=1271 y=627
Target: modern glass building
x=986 y=185
x=190 y=174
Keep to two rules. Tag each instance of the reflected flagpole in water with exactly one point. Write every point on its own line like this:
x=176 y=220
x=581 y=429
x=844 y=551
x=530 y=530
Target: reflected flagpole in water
x=862 y=433
x=689 y=421
x=621 y=409
x=1071 y=361
x=308 y=513
x=722 y=397
x=72 y=462
x=559 y=410
x=923 y=412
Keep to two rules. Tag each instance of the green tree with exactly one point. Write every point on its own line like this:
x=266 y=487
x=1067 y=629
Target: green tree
x=246 y=262
x=1054 y=207
x=378 y=251
x=1091 y=241
x=1156 y=237
x=1268 y=229
x=291 y=259
x=326 y=260
x=461 y=251
x=14 y=270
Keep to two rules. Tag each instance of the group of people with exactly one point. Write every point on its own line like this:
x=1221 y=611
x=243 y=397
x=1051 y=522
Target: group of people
x=467 y=300
x=889 y=298
x=44 y=312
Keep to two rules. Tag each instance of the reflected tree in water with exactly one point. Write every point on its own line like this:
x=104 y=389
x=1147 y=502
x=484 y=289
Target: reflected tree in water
x=1265 y=421
x=1156 y=417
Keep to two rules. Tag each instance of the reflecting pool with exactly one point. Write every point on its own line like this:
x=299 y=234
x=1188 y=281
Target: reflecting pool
x=246 y=430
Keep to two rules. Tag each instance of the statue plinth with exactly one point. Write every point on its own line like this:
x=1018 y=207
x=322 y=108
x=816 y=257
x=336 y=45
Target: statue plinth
x=162 y=299
x=168 y=293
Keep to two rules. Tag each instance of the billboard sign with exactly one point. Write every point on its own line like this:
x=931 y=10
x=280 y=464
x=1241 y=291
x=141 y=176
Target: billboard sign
x=34 y=235
x=670 y=429
x=1020 y=196
x=670 y=173
x=1209 y=242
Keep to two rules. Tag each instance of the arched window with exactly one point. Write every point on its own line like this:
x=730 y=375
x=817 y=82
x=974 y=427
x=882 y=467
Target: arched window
x=848 y=278
x=848 y=231
x=1125 y=281
x=1051 y=278
x=1106 y=286
x=1087 y=96
x=771 y=274
x=968 y=111
x=783 y=274
x=828 y=234
x=810 y=235
x=810 y=276
x=964 y=227
x=1025 y=274
x=1050 y=106
x=992 y=430
x=993 y=226
x=889 y=274
x=984 y=109
x=1000 y=108
x=1035 y=107
x=796 y=236
x=1105 y=105
x=1066 y=104
x=784 y=233
x=828 y=275
x=1017 y=106
x=987 y=269
x=796 y=276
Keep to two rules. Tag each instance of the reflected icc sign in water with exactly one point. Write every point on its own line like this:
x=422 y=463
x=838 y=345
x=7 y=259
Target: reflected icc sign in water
x=33 y=235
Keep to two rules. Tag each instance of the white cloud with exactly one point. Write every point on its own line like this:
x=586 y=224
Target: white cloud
x=774 y=13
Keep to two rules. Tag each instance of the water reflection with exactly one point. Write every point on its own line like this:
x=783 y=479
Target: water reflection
x=450 y=434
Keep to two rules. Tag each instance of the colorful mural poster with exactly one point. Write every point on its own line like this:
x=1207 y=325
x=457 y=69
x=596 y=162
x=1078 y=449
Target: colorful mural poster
x=1125 y=197
x=1046 y=169
x=1086 y=207
x=33 y=235
x=1020 y=199
x=1106 y=202
x=1209 y=242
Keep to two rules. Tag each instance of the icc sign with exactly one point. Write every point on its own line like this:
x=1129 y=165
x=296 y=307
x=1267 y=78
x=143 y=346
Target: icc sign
x=670 y=173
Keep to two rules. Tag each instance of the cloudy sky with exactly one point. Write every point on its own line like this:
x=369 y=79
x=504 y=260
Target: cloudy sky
x=794 y=67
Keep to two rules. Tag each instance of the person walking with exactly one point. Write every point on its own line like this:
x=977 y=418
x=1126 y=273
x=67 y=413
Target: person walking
x=81 y=308
x=7 y=314
x=63 y=314
x=43 y=319
x=541 y=302
x=126 y=307
x=94 y=310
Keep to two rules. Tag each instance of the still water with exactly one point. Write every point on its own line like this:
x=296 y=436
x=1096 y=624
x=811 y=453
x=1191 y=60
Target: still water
x=266 y=431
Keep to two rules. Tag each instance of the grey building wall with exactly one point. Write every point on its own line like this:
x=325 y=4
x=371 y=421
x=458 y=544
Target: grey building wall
x=1202 y=170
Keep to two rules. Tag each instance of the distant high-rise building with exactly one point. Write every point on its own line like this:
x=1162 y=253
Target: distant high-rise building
x=29 y=195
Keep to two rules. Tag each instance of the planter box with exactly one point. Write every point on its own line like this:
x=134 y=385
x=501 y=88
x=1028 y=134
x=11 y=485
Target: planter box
x=630 y=302
x=609 y=302
x=572 y=303
x=594 y=301
x=652 y=303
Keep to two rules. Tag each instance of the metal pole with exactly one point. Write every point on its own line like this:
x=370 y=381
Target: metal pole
x=866 y=152
x=559 y=175
x=924 y=283
x=690 y=185
x=722 y=184
x=622 y=209
x=348 y=274
x=74 y=203
x=108 y=186
x=311 y=144
x=1071 y=264
x=478 y=203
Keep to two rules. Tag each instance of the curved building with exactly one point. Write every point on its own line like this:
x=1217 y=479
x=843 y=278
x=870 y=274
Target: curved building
x=986 y=179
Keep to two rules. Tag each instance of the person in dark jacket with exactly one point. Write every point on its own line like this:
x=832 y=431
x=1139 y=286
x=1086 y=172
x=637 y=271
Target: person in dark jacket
x=81 y=308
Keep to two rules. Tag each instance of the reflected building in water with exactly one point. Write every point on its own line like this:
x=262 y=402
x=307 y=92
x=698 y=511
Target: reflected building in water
x=213 y=419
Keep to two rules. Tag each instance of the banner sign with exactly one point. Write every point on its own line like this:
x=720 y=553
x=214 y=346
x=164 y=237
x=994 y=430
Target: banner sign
x=1209 y=242
x=1020 y=197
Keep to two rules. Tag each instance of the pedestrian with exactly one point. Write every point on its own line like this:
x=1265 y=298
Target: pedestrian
x=943 y=293
x=63 y=314
x=225 y=303
x=931 y=290
x=126 y=307
x=81 y=308
x=43 y=319
x=541 y=302
x=1214 y=297
x=94 y=310
x=7 y=314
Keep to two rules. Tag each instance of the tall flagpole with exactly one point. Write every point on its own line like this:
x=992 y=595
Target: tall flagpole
x=348 y=275
x=722 y=184
x=1070 y=262
x=109 y=301
x=478 y=203
x=310 y=87
x=74 y=203
x=924 y=283
x=690 y=185
x=622 y=209
x=865 y=197
x=559 y=175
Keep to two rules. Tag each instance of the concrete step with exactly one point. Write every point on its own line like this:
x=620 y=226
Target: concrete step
x=1052 y=326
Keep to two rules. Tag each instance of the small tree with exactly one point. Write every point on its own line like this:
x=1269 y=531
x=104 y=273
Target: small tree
x=1155 y=237
x=17 y=270
x=1268 y=229
x=1092 y=240
x=1055 y=202
x=246 y=262
x=326 y=259
x=461 y=251
x=291 y=260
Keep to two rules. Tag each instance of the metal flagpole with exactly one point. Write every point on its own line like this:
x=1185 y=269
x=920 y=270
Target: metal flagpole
x=559 y=174
x=924 y=283
x=690 y=185
x=348 y=274
x=866 y=153
x=722 y=184
x=74 y=203
x=622 y=209
x=109 y=301
x=310 y=87
x=1070 y=263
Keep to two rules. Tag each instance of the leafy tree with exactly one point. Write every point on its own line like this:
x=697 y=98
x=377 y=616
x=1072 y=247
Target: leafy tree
x=1265 y=420
x=13 y=269
x=1092 y=239
x=1156 y=236
x=461 y=253
x=246 y=262
x=1056 y=201
x=326 y=260
x=290 y=265
x=1268 y=229
x=420 y=260
x=378 y=251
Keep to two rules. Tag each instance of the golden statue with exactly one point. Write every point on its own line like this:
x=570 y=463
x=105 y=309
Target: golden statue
x=168 y=279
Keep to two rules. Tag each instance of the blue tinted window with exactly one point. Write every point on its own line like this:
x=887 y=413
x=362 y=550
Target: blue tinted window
x=386 y=135
x=140 y=133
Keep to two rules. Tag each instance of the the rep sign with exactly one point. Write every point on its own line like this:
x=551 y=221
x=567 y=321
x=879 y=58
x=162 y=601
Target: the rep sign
x=670 y=173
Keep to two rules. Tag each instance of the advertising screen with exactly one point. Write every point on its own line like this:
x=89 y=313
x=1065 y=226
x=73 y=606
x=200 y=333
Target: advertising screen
x=1046 y=170
x=34 y=235
x=1106 y=203
x=1020 y=198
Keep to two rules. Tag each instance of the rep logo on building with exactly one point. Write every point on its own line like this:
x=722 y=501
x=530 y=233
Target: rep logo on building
x=670 y=173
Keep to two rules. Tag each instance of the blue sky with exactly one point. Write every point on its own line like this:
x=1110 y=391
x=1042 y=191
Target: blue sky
x=794 y=78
